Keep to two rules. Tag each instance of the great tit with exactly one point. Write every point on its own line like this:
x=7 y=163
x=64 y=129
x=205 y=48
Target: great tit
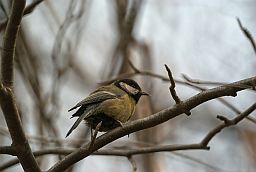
x=112 y=104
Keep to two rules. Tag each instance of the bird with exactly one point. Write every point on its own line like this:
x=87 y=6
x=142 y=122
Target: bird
x=111 y=105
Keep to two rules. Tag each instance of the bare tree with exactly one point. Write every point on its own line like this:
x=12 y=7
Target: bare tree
x=19 y=53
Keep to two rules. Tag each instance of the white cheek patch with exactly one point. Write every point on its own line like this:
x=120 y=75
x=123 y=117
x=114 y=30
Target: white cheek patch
x=129 y=88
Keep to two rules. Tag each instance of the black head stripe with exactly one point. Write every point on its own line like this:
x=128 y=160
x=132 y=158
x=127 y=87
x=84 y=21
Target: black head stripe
x=129 y=82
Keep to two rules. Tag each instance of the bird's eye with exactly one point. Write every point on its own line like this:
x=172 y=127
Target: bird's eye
x=129 y=88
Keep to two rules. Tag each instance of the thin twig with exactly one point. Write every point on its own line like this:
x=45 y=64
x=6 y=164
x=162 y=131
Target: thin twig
x=201 y=82
x=247 y=34
x=172 y=89
x=30 y=8
x=197 y=81
x=95 y=134
x=224 y=119
x=27 y=10
x=136 y=70
x=222 y=100
x=227 y=123
x=172 y=86
x=133 y=163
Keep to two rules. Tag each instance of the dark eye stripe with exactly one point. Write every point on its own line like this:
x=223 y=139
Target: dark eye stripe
x=131 y=83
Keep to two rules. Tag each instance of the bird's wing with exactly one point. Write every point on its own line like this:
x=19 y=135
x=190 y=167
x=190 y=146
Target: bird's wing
x=88 y=112
x=95 y=97
x=92 y=100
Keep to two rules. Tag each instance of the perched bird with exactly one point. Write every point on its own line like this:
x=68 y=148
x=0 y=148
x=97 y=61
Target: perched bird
x=112 y=104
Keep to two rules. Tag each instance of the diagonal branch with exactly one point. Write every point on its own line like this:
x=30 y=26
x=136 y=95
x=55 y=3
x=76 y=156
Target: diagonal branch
x=172 y=87
x=151 y=121
x=190 y=82
x=247 y=34
x=227 y=123
x=95 y=134
x=29 y=9
x=203 y=145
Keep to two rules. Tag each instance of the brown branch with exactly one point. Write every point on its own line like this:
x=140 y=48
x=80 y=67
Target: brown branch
x=29 y=9
x=138 y=151
x=9 y=42
x=126 y=22
x=7 y=150
x=151 y=74
x=247 y=34
x=226 y=103
x=197 y=81
x=136 y=70
x=227 y=123
x=95 y=134
x=203 y=145
x=7 y=100
x=111 y=152
x=133 y=163
x=150 y=121
x=167 y=148
x=201 y=82
x=188 y=83
x=172 y=87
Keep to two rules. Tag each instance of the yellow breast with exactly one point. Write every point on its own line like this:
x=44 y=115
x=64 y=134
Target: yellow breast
x=120 y=109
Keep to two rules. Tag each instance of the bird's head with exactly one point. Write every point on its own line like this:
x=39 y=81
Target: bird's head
x=131 y=87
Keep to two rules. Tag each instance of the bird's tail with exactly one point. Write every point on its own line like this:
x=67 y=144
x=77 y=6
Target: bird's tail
x=87 y=113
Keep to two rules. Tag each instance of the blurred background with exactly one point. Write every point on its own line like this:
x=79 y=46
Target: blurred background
x=65 y=49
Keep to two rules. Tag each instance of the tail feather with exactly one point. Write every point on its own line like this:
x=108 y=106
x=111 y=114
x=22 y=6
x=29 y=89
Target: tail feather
x=72 y=108
x=79 y=112
x=82 y=114
x=78 y=121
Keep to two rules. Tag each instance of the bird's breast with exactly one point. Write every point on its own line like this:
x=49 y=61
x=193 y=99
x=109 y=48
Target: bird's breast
x=120 y=109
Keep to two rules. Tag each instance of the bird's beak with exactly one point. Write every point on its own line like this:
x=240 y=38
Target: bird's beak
x=144 y=93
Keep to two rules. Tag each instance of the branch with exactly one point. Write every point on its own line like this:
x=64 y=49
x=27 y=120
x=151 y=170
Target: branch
x=222 y=100
x=172 y=87
x=133 y=163
x=151 y=149
x=227 y=123
x=151 y=121
x=111 y=152
x=29 y=9
x=247 y=34
x=95 y=134
x=9 y=42
x=137 y=71
x=7 y=150
x=188 y=83
x=201 y=82
x=197 y=81
x=20 y=143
